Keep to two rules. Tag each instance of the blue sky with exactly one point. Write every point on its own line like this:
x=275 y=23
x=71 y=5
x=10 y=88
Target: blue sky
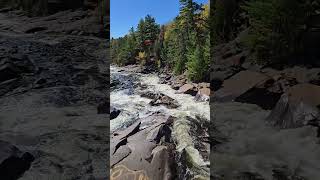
x=125 y=14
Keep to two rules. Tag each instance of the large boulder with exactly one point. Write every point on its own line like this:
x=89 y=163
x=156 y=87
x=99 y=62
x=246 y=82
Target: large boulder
x=203 y=94
x=238 y=85
x=137 y=150
x=297 y=107
x=114 y=113
x=161 y=99
x=13 y=164
x=267 y=93
x=219 y=73
x=188 y=89
x=178 y=81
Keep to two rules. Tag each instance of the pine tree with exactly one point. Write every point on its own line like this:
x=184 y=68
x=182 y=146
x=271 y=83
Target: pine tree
x=197 y=65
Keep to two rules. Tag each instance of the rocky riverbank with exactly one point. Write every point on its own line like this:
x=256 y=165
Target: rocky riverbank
x=53 y=77
x=265 y=118
x=160 y=133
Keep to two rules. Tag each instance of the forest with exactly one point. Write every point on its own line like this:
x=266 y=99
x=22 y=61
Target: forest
x=183 y=45
x=271 y=31
x=274 y=31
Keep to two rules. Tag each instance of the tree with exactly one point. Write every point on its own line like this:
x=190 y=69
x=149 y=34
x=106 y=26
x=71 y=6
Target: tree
x=197 y=65
x=275 y=28
x=224 y=13
x=147 y=31
x=158 y=47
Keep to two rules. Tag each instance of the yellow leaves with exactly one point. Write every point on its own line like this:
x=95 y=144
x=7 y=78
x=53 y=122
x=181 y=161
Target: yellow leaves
x=205 y=13
x=203 y=17
x=169 y=30
x=141 y=56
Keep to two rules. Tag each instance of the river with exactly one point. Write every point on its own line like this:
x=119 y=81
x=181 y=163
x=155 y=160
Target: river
x=126 y=96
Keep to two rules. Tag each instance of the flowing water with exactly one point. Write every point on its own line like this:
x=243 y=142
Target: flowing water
x=254 y=146
x=126 y=97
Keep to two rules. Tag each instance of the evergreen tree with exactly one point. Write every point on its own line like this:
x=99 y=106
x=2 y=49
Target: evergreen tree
x=197 y=65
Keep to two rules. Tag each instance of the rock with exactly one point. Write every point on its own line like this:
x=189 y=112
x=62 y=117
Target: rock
x=150 y=95
x=203 y=94
x=161 y=160
x=238 y=85
x=219 y=73
x=165 y=78
x=161 y=99
x=165 y=100
x=7 y=150
x=8 y=71
x=9 y=85
x=235 y=60
x=260 y=96
x=188 y=89
x=114 y=113
x=297 y=107
x=73 y=71
x=267 y=94
x=35 y=29
x=147 y=155
x=121 y=172
x=178 y=81
x=14 y=167
x=159 y=132
x=120 y=154
x=13 y=164
x=204 y=85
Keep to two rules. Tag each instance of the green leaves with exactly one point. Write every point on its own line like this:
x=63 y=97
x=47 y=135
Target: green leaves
x=147 y=29
x=182 y=45
x=275 y=28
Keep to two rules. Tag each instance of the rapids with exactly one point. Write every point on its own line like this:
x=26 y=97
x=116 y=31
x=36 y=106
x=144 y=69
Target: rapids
x=125 y=95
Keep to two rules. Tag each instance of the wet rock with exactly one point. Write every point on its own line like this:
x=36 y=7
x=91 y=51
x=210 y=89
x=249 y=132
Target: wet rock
x=159 y=132
x=203 y=94
x=165 y=78
x=160 y=99
x=114 y=113
x=188 y=89
x=238 y=84
x=178 y=81
x=166 y=101
x=297 y=107
x=150 y=95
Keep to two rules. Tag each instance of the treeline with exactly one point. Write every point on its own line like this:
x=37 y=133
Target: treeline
x=180 y=46
x=276 y=29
